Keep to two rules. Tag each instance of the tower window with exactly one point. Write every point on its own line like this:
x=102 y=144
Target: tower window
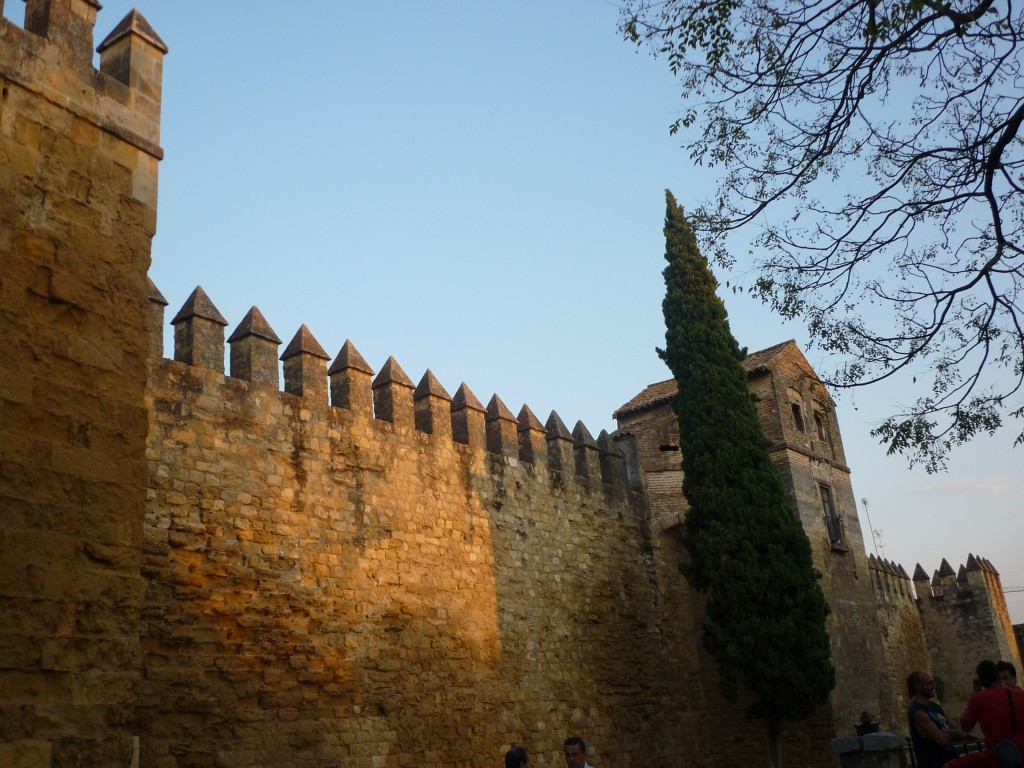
x=798 y=416
x=833 y=522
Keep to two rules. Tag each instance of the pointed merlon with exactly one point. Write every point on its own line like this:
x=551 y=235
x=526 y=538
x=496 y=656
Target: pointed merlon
x=254 y=324
x=612 y=460
x=556 y=428
x=153 y=293
x=198 y=304
x=303 y=342
x=903 y=573
x=349 y=357
x=945 y=569
x=430 y=386
x=608 y=446
x=465 y=399
x=528 y=421
x=502 y=430
x=582 y=438
x=872 y=562
x=532 y=439
x=936 y=580
x=961 y=574
x=432 y=406
x=254 y=351
x=920 y=574
x=133 y=24
x=467 y=415
x=392 y=373
x=972 y=563
x=496 y=409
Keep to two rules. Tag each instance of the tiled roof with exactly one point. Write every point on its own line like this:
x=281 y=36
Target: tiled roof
x=662 y=392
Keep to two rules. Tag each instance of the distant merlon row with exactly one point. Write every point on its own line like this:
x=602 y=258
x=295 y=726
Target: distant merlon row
x=892 y=577
x=391 y=396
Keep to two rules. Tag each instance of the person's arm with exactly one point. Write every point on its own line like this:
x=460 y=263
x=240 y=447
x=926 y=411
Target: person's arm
x=970 y=716
x=954 y=729
x=927 y=728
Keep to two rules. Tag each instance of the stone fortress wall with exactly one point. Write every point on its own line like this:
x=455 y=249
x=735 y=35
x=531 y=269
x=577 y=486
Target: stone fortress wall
x=358 y=569
x=79 y=150
x=204 y=568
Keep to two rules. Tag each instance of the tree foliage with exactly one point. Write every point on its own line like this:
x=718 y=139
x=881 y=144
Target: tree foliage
x=871 y=150
x=765 y=620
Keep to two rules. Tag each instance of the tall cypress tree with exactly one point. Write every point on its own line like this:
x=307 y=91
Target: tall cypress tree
x=765 y=619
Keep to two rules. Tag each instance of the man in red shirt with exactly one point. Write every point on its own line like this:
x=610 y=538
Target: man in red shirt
x=1000 y=713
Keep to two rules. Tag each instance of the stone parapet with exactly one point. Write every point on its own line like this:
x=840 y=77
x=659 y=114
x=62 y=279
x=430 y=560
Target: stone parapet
x=391 y=396
x=326 y=587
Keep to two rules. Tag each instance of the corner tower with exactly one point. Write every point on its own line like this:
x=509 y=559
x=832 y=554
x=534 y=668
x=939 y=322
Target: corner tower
x=79 y=150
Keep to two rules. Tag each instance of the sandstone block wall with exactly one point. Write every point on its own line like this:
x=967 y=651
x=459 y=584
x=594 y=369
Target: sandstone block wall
x=965 y=620
x=78 y=164
x=325 y=587
x=904 y=646
x=360 y=573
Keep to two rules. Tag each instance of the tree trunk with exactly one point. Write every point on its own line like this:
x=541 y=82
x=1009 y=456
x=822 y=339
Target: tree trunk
x=774 y=744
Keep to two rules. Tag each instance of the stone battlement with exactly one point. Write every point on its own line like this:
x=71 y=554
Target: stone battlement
x=389 y=400
x=977 y=574
x=889 y=580
x=346 y=567
x=51 y=58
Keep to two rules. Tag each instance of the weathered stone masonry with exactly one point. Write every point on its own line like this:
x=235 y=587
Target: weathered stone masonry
x=426 y=580
x=200 y=569
x=78 y=175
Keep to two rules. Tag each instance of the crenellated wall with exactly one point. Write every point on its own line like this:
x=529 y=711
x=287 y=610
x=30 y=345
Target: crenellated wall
x=79 y=150
x=904 y=646
x=965 y=620
x=301 y=561
x=361 y=571
x=946 y=624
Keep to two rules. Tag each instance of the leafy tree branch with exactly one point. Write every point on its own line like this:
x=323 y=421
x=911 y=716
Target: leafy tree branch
x=871 y=154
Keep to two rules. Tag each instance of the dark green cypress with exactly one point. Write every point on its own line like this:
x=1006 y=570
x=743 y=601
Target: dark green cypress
x=765 y=619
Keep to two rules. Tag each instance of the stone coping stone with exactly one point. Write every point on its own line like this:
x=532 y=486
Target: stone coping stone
x=872 y=742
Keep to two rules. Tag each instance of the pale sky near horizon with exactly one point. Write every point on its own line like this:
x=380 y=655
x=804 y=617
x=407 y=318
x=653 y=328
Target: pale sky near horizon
x=478 y=189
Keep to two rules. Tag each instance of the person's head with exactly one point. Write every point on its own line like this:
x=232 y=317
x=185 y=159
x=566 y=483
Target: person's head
x=1007 y=674
x=575 y=752
x=987 y=674
x=516 y=758
x=920 y=684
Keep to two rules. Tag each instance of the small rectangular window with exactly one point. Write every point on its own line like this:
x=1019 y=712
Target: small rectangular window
x=798 y=416
x=833 y=522
x=824 y=433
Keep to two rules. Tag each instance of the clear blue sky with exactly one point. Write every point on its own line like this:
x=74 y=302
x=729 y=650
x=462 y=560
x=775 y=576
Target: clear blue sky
x=478 y=189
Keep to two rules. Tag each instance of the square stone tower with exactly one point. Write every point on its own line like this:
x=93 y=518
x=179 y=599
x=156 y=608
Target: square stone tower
x=79 y=149
x=798 y=417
